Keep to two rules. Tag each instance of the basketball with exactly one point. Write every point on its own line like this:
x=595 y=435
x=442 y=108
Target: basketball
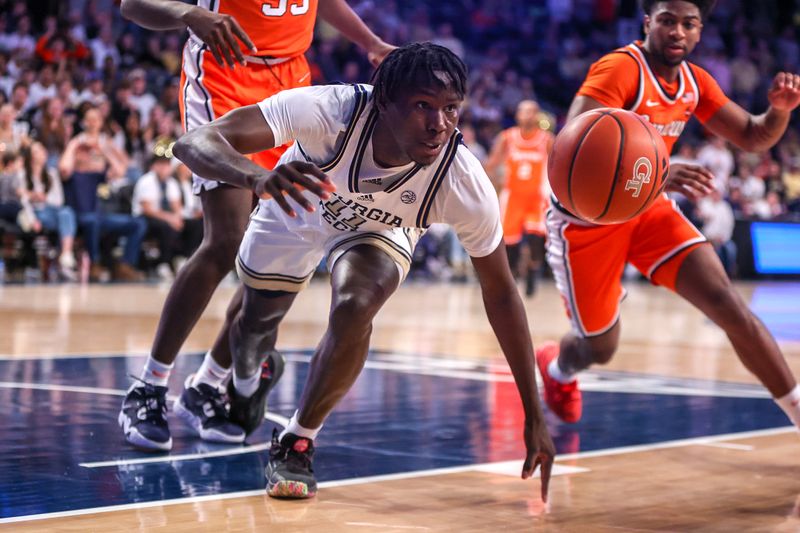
x=607 y=166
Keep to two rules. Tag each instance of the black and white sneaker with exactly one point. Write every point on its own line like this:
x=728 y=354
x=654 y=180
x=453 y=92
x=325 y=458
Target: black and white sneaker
x=143 y=417
x=248 y=413
x=289 y=473
x=206 y=411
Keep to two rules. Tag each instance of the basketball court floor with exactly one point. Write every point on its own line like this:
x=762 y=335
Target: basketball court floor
x=676 y=435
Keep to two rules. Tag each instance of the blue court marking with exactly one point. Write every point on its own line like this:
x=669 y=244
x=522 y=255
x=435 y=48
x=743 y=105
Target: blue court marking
x=396 y=419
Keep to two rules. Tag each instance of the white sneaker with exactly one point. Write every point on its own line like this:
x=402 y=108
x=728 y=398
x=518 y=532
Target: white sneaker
x=164 y=272
x=67 y=261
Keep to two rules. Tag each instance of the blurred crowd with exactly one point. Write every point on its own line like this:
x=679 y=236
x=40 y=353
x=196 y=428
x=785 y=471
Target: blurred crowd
x=89 y=110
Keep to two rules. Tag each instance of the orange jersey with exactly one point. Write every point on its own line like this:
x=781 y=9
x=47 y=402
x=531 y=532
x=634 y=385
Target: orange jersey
x=526 y=160
x=523 y=199
x=623 y=79
x=278 y=28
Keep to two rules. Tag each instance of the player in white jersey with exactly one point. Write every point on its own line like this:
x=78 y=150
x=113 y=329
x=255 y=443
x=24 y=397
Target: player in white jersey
x=377 y=166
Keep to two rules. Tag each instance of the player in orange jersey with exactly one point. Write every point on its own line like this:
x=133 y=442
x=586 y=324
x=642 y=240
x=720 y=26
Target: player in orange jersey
x=238 y=53
x=522 y=150
x=653 y=79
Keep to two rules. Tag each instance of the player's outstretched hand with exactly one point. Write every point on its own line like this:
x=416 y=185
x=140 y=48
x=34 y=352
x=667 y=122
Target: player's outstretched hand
x=784 y=95
x=219 y=32
x=692 y=181
x=541 y=451
x=378 y=52
x=289 y=180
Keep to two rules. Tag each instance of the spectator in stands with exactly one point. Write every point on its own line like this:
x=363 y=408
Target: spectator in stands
x=134 y=143
x=791 y=183
x=12 y=135
x=61 y=47
x=717 y=225
x=140 y=99
x=21 y=41
x=19 y=99
x=716 y=157
x=157 y=198
x=44 y=194
x=52 y=128
x=94 y=92
x=66 y=91
x=10 y=185
x=103 y=47
x=43 y=87
x=192 y=216
x=6 y=79
x=89 y=160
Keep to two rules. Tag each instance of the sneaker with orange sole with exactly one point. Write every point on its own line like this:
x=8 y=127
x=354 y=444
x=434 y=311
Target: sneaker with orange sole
x=564 y=399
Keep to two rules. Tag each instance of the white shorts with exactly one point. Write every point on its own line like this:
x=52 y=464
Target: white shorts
x=280 y=253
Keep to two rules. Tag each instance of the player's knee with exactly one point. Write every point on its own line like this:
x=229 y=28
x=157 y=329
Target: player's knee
x=353 y=311
x=219 y=254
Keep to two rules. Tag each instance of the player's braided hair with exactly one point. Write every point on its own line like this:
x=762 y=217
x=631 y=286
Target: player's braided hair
x=705 y=6
x=418 y=65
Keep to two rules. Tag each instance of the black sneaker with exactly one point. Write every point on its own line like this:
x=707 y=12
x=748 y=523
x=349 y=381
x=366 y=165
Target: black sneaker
x=205 y=410
x=289 y=473
x=249 y=412
x=143 y=418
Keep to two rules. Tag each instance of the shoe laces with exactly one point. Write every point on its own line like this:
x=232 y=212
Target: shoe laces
x=153 y=401
x=213 y=397
x=294 y=459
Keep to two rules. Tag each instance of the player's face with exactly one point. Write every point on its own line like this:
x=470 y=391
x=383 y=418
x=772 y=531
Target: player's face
x=423 y=121
x=673 y=30
x=527 y=114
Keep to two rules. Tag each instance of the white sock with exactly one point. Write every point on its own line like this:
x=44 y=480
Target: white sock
x=156 y=372
x=791 y=405
x=246 y=387
x=210 y=372
x=557 y=374
x=295 y=428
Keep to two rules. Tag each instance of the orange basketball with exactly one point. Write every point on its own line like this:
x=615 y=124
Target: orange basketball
x=607 y=165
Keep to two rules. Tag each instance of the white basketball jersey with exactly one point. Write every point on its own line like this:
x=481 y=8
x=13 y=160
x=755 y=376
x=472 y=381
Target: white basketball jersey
x=332 y=126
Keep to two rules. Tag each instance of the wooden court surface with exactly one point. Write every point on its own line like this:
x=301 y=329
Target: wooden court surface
x=744 y=483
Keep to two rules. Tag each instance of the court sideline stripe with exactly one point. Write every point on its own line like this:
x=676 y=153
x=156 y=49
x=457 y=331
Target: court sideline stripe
x=406 y=475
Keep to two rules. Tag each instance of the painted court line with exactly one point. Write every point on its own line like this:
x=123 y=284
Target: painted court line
x=438 y=366
x=679 y=443
x=406 y=475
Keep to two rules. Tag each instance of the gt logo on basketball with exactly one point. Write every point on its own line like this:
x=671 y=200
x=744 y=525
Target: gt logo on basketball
x=642 y=170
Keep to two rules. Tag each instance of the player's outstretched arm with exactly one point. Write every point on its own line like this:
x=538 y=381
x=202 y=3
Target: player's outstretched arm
x=507 y=316
x=215 y=151
x=219 y=31
x=494 y=161
x=756 y=133
x=342 y=17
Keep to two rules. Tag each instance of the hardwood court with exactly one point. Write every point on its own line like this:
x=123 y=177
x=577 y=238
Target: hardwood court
x=736 y=466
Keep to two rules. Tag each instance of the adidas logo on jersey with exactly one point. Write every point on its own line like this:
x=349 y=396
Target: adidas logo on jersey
x=365 y=198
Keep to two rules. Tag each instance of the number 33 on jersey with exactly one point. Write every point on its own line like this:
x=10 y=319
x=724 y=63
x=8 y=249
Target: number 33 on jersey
x=278 y=28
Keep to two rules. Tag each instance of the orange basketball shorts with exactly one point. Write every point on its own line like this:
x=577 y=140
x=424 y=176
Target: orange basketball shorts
x=588 y=261
x=208 y=91
x=522 y=214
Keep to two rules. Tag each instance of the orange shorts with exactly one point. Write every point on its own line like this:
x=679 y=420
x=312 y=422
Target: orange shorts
x=588 y=261
x=208 y=91
x=522 y=214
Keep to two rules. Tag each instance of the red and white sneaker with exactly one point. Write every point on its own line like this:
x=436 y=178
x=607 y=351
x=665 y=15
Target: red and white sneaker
x=564 y=399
